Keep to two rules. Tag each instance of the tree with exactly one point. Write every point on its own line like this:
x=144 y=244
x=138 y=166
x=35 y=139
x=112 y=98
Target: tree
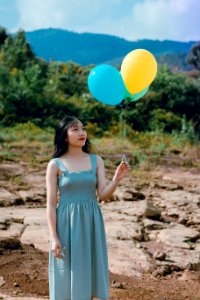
x=3 y=35
x=193 y=57
x=16 y=51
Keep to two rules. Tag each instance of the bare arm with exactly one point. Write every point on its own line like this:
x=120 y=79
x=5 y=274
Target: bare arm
x=51 y=186
x=105 y=190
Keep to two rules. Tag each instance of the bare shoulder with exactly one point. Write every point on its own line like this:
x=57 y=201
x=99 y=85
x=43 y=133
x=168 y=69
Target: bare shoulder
x=51 y=167
x=51 y=164
x=100 y=161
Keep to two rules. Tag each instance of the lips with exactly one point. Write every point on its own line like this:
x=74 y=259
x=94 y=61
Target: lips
x=81 y=139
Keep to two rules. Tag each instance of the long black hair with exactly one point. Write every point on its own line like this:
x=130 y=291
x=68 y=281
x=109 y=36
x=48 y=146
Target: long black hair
x=60 y=143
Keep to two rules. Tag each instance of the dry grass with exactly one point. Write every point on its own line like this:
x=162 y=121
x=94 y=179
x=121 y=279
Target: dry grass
x=33 y=145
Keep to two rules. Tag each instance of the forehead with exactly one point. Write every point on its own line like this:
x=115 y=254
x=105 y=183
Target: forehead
x=76 y=123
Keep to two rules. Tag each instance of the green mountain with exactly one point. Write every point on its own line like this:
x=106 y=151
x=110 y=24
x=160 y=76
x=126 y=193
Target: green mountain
x=88 y=48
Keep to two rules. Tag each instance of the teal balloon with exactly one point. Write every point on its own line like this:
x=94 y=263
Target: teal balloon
x=106 y=85
x=127 y=95
x=135 y=97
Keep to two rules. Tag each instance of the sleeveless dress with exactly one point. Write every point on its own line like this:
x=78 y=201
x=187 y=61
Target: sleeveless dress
x=83 y=273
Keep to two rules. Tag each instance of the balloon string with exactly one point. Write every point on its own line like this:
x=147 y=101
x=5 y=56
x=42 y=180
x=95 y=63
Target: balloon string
x=123 y=106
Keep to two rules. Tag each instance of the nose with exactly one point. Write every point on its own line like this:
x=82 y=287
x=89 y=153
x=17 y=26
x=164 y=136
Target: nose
x=82 y=133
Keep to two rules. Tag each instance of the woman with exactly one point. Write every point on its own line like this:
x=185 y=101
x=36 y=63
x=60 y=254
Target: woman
x=78 y=264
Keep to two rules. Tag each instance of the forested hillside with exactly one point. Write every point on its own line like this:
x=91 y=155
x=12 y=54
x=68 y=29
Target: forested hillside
x=89 y=48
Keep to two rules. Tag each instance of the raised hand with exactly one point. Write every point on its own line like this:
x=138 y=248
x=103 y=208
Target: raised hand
x=122 y=170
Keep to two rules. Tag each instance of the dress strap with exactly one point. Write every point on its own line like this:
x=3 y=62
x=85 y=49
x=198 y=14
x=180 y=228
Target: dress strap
x=94 y=162
x=59 y=164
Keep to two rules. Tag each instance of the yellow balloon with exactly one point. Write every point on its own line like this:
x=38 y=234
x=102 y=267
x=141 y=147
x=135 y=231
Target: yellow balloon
x=138 y=70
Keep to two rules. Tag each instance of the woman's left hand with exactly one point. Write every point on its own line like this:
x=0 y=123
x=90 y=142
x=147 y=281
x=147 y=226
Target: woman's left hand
x=121 y=171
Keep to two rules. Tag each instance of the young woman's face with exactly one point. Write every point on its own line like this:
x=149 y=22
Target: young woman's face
x=76 y=135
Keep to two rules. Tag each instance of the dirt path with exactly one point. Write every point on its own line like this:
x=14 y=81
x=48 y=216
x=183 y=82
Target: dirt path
x=24 y=273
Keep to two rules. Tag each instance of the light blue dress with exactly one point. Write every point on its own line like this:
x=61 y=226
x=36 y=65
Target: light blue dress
x=83 y=273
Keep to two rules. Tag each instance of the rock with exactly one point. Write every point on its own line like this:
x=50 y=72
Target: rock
x=117 y=284
x=197 y=245
x=173 y=213
x=3 y=219
x=174 y=187
x=182 y=257
x=193 y=266
x=15 y=284
x=162 y=271
x=160 y=255
x=35 y=180
x=132 y=209
x=168 y=186
x=178 y=236
x=7 y=198
x=18 y=220
x=126 y=231
x=194 y=219
x=2 y=281
x=10 y=244
x=5 y=194
x=30 y=226
x=151 y=211
x=32 y=196
x=153 y=225
x=183 y=219
x=165 y=270
x=36 y=235
x=129 y=195
x=3 y=227
x=126 y=259
x=10 y=170
x=4 y=222
x=25 y=195
x=14 y=230
x=11 y=202
x=136 y=195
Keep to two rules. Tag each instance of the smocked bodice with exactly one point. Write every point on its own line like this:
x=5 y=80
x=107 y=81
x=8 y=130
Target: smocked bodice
x=76 y=187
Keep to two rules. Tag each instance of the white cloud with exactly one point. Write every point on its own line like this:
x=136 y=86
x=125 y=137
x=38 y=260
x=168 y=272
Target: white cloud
x=56 y=13
x=165 y=19
x=153 y=19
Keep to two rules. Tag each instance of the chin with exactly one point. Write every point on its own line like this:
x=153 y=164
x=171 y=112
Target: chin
x=80 y=144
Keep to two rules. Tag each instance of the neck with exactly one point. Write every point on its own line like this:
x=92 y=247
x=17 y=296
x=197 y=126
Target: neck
x=74 y=151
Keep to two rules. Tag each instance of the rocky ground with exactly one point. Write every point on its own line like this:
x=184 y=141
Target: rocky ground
x=152 y=225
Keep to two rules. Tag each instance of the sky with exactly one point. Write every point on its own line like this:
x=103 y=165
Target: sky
x=130 y=19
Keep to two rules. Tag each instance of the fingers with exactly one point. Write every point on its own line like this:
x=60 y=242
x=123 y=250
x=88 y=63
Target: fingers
x=58 y=252
x=59 y=256
x=125 y=164
x=125 y=168
x=129 y=167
